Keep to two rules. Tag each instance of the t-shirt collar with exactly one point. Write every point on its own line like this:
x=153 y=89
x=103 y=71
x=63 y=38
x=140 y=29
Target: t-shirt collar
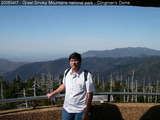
x=77 y=73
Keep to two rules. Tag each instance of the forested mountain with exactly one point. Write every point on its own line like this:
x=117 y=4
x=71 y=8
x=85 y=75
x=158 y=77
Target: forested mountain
x=28 y=70
x=145 y=68
x=133 y=73
x=6 y=65
x=123 y=52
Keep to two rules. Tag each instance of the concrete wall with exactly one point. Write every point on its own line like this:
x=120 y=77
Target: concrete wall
x=107 y=111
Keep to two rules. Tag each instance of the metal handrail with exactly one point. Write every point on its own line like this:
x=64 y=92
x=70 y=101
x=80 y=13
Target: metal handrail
x=43 y=97
x=62 y=95
x=127 y=93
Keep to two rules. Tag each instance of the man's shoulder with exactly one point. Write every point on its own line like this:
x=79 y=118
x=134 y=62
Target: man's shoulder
x=86 y=71
x=66 y=71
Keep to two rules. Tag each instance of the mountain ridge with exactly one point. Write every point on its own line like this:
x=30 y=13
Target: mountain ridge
x=122 y=52
x=7 y=65
x=147 y=67
x=144 y=66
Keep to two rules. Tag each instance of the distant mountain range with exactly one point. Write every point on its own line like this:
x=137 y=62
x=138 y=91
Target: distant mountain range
x=7 y=66
x=145 y=68
x=123 y=52
x=146 y=65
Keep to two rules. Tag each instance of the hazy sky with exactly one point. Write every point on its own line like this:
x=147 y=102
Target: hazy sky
x=56 y=31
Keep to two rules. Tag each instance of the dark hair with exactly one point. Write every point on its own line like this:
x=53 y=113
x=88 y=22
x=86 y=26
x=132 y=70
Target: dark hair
x=76 y=56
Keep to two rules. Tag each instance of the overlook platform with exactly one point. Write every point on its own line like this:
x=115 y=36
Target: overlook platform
x=106 y=111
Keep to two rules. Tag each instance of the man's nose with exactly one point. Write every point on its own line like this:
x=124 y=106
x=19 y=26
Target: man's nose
x=74 y=63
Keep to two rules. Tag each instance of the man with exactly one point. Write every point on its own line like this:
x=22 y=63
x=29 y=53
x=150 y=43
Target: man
x=78 y=86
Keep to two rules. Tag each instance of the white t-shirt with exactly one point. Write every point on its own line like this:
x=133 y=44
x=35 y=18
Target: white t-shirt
x=75 y=91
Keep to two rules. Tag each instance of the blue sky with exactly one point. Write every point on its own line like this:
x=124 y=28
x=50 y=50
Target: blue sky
x=50 y=32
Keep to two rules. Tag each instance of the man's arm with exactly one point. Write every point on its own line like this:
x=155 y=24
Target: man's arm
x=89 y=101
x=89 y=95
x=61 y=88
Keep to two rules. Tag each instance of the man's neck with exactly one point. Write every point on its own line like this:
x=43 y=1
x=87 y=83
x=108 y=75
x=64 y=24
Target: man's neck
x=75 y=70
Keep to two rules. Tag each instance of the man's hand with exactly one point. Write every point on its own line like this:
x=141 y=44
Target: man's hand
x=49 y=95
x=86 y=114
x=58 y=90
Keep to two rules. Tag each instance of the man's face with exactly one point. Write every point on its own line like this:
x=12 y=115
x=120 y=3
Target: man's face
x=74 y=63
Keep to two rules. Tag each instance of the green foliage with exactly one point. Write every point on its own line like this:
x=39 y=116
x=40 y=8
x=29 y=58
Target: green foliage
x=6 y=106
